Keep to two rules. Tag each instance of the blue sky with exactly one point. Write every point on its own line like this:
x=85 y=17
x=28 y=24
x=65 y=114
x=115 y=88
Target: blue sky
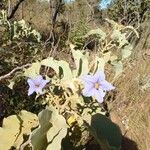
x=68 y=1
x=103 y=4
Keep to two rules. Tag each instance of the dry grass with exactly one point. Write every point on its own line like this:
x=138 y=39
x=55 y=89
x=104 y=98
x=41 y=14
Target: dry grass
x=131 y=108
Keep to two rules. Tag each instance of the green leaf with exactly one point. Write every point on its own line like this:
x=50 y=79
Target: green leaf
x=57 y=132
x=106 y=132
x=39 y=135
x=61 y=67
x=81 y=62
x=98 y=31
x=98 y=64
x=119 y=37
x=52 y=129
x=14 y=127
x=50 y=62
x=67 y=73
x=33 y=71
x=118 y=67
x=126 y=51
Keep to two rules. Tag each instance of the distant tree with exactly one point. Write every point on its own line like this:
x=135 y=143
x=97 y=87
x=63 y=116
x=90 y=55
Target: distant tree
x=128 y=12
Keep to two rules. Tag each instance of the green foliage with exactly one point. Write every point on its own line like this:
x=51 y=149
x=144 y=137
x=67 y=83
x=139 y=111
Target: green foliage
x=118 y=67
x=51 y=131
x=21 y=30
x=81 y=62
x=18 y=30
x=76 y=36
x=112 y=45
x=38 y=136
x=99 y=32
x=14 y=127
x=129 y=12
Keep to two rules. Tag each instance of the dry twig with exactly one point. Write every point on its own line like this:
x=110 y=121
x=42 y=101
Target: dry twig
x=13 y=71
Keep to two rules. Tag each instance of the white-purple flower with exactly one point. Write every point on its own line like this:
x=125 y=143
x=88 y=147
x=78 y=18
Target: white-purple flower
x=36 y=85
x=96 y=86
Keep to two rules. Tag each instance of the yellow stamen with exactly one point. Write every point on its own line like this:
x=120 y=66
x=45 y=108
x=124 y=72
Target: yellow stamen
x=97 y=85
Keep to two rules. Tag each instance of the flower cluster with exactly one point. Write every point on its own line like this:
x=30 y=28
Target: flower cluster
x=96 y=86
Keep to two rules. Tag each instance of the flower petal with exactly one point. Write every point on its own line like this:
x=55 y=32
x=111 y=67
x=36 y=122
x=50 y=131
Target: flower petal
x=31 y=90
x=89 y=79
x=106 y=86
x=38 y=90
x=38 y=79
x=30 y=82
x=87 y=89
x=99 y=75
x=43 y=83
x=99 y=95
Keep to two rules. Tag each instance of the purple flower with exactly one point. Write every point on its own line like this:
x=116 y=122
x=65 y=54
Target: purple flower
x=36 y=84
x=96 y=86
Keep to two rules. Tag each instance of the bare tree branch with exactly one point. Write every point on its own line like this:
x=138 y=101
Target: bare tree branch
x=15 y=9
x=13 y=71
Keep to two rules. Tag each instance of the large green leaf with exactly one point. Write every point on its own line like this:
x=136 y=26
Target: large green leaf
x=39 y=135
x=81 y=62
x=57 y=132
x=106 y=132
x=118 y=67
x=33 y=71
x=61 y=67
x=66 y=70
x=50 y=62
x=52 y=129
x=14 y=127
x=98 y=32
x=126 y=51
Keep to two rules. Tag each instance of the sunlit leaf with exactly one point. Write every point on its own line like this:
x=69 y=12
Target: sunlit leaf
x=118 y=67
x=14 y=127
x=57 y=132
x=119 y=37
x=66 y=71
x=98 y=32
x=33 y=71
x=81 y=62
x=50 y=62
x=126 y=51
x=39 y=135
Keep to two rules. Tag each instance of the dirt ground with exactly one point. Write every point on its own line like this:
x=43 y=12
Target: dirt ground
x=131 y=107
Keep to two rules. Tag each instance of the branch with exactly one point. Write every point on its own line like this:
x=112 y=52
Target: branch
x=14 y=9
x=13 y=71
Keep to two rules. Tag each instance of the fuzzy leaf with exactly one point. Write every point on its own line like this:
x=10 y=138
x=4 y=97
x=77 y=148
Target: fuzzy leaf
x=50 y=62
x=51 y=131
x=99 y=32
x=81 y=62
x=38 y=136
x=66 y=71
x=57 y=132
x=14 y=127
x=126 y=51
x=118 y=67
x=99 y=64
x=119 y=37
x=33 y=71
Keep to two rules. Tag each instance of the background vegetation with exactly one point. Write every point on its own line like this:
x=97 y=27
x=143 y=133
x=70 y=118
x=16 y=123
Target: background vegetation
x=56 y=24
